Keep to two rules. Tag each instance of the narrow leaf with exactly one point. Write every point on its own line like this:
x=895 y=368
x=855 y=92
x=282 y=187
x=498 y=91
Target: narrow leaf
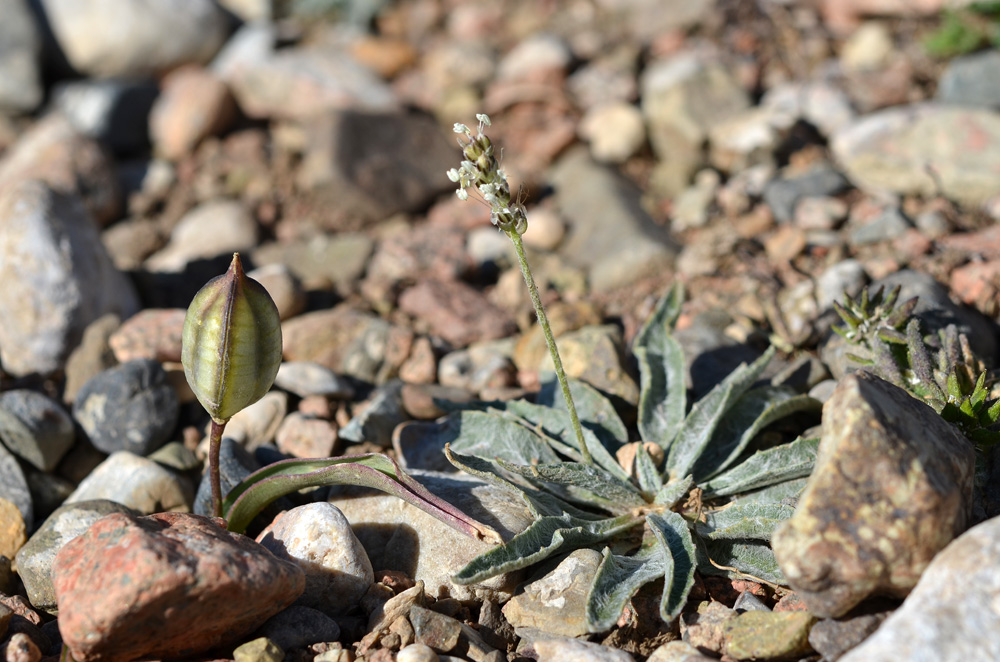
x=751 y=521
x=674 y=491
x=618 y=578
x=735 y=559
x=774 y=465
x=671 y=531
x=705 y=415
x=648 y=475
x=662 y=391
x=786 y=492
x=594 y=410
x=490 y=435
x=586 y=484
x=543 y=538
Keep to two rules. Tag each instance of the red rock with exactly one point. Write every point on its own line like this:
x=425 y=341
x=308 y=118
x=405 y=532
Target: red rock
x=984 y=243
x=194 y=104
x=167 y=585
x=456 y=312
x=976 y=281
x=151 y=334
x=301 y=436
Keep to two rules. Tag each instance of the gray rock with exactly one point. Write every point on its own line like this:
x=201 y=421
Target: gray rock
x=20 y=46
x=149 y=36
x=557 y=602
x=782 y=195
x=678 y=651
x=298 y=627
x=845 y=276
x=438 y=631
x=304 y=379
x=14 y=486
x=339 y=259
x=613 y=254
x=34 y=560
x=398 y=536
x=319 y=539
x=136 y=482
x=747 y=601
x=479 y=366
x=260 y=649
x=35 y=427
x=574 y=650
x=832 y=637
x=888 y=225
x=951 y=615
x=57 y=278
x=130 y=407
x=257 y=424
x=211 y=229
x=383 y=413
x=369 y=166
x=970 y=80
x=891 y=487
x=926 y=149
x=823 y=105
x=113 y=111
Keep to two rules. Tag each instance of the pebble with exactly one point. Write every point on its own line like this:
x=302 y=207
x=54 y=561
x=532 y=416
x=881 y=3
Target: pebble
x=833 y=637
x=913 y=474
x=962 y=82
x=306 y=437
x=546 y=229
x=438 y=631
x=456 y=312
x=284 y=287
x=783 y=194
x=20 y=648
x=182 y=576
x=35 y=427
x=193 y=104
x=594 y=354
x=129 y=407
x=844 y=276
x=869 y=47
x=209 y=230
x=894 y=149
x=747 y=139
x=136 y=482
x=785 y=243
x=21 y=85
x=114 y=111
x=541 y=58
x=436 y=250
x=820 y=103
x=323 y=260
x=557 y=602
x=92 y=356
x=887 y=225
x=678 y=651
x=14 y=486
x=489 y=249
x=34 y=560
x=260 y=649
x=691 y=208
x=762 y=635
x=149 y=38
x=574 y=650
x=376 y=421
x=421 y=400
x=951 y=614
x=480 y=366
x=13 y=534
x=304 y=378
x=417 y=652
x=258 y=424
x=153 y=333
x=51 y=255
x=819 y=213
x=421 y=366
x=614 y=130
x=297 y=627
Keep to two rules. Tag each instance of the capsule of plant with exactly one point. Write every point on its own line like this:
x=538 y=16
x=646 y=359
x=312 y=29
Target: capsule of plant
x=231 y=344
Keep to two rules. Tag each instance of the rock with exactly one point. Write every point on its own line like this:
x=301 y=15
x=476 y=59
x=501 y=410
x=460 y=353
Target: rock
x=420 y=401
x=349 y=342
x=20 y=648
x=892 y=486
x=34 y=560
x=283 y=286
x=564 y=317
x=756 y=635
x=14 y=486
x=369 y=166
x=785 y=243
x=845 y=276
x=456 y=312
x=182 y=576
x=129 y=407
x=376 y=421
x=114 y=112
x=949 y=615
x=420 y=367
x=153 y=333
x=92 y=356
x=260 y=649
x=209 y=230
x=323 y=260
x=822 y=104
x=417 y=653
x=13 y=534
x=538 y=58
x=692 y=206
x=869 y=47
x=149 y=37
x=557 y=602
x=52 y=257
x=35 y=427
x=298 y=627
x=489 y=249
x=193 y=104
x=546 y=229
x=594 y=354
x=69 y=162
x=887 y=225
x=413 y=253
x=20 y=47
x=319 y=539
x=306 y=436
x=613 y=254
x=304 y=379
x=398 y=536
x=258 y=424
x=136 y=482
x=678 y=651
x=615 y=131
x=783 y=194
x=832 y=638
x=436 y=630
x=819 y=213
x=574 y=650
x=927 y=149
x=480 y=366
x=966 y=80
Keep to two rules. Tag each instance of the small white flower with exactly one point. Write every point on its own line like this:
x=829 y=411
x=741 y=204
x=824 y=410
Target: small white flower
x=461 y=128
x=453 y=175
x=484 y=120
x=462 y=194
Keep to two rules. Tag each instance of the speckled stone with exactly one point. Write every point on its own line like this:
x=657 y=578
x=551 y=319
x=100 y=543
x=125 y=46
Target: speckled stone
x=181 y=576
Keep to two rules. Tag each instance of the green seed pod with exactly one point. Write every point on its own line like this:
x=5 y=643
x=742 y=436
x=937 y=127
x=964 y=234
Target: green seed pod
x=231 y=346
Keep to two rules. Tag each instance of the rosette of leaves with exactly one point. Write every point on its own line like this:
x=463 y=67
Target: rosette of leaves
x=712 y=505
x=940 y=369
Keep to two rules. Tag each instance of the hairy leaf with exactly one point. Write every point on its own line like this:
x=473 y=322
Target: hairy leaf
x=662 y=392
x=751 y=521
x=671 y=531
x=735 y=559
x=583 y=483
x=774 y=465
x=786 y=492
x=544 y=537
x=594 y=410
x=674 y=491
x=618 y=578
x=489 y=435
x=650 y=480
x=706 y=414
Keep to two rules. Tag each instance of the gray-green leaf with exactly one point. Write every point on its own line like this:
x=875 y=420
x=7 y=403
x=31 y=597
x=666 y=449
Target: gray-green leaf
x=662 y=391
x=751 y=521
x=583 y=483
x=733 y=559
x=769 y=467
x=490 y=435
x=674 y=491
x=671 y=530
x=593 y=409
x=650 y=480
x=618 y=578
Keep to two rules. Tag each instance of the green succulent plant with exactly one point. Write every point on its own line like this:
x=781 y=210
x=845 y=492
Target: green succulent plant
x=712 y=505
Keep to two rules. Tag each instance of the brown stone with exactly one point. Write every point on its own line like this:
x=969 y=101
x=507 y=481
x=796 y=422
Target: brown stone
x=456 y=312
x=192 y=105
x=150 y=334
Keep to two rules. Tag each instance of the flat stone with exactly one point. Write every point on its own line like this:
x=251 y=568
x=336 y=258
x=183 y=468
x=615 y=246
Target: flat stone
x=756 y=635
x=966 y=80
x=594 y=354
x=136 y=482
x=153 y=333
x=456 y=312
x=304 y=379
x=257 y=424
x=182 y=576
x=114 y=111
x=376 y=422
x=951 y=615
x=833 y=637
x=319 y=539
x=298 y=627
x=211 y=229
x=436 y=630
x=306 y=436
x=891 y=487
x=284 y=287
x=557 y=602
x=480 y=366
x=34 y=560
x=783 y=194
x=35 y=427
x=574 y=650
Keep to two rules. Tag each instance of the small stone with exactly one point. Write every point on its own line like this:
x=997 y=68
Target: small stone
x=420 y=400
x=150 y=334
x=417 y=652
x=531 y=348
x=323 y=261
x=421 y=366
x=819 y=212
x=112 y=111
x=479 y=366
x=889 y=224
x=319 y=539
x=258 y=424
x=962 y=82
x=14 y=486
x=755 y=635
x=35 y=427
x=129 y=407
x=691 y=207
x=538 y=58
x=869 y=47
x=304 y=378
x=845 y=276
x=211 y=229
x=379 y=418
x=12 y=530
x=614 y=130
x=594 y=354
x=705 y=628
x=128 y=576
x=20 y=648
x=678 y=651
x=546 y=229
x=456 y=312
x=306 y=437
x=192 y=105
x=557 y=603
x=297 y=627
x=21 y=86
x=92 y=356
x=574 y=650
x=260 y=649
x=135 y=482
x=284 y=288
x=785 y=243
x=782 y=195
x=436 y=630
x=832 y=638
x=747 y=601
